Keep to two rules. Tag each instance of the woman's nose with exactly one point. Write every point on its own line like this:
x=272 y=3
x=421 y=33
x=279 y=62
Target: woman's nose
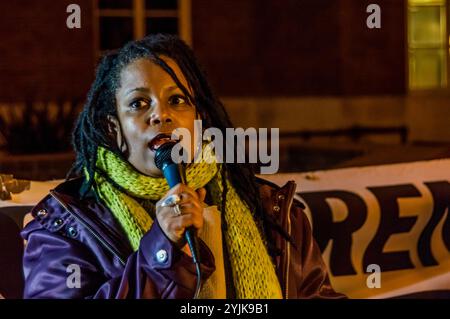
x=159 y=116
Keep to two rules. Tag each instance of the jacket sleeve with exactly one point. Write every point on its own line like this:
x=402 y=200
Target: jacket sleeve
x=308 y=268
x=59 y=267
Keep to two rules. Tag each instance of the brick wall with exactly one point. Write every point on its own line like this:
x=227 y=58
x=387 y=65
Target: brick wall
x=373 y=61
x=308 y=47
x=40 y=57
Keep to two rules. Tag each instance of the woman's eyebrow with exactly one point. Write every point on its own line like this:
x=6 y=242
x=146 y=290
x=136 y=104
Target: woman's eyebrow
x=146 y=90
x=139 y=89
x=171 y=88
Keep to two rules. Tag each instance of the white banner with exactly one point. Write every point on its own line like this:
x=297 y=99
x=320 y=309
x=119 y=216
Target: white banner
x=392 y=218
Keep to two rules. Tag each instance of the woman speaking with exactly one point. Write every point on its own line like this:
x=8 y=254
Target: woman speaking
x=114 y=228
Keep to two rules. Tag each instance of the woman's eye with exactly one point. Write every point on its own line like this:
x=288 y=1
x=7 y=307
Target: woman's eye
x=178 y=99
x=138 y=104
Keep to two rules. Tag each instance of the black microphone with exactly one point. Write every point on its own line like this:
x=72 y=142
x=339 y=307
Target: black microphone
x=175 y=174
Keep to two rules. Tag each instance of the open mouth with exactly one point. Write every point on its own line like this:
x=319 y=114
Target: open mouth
x=159 y=140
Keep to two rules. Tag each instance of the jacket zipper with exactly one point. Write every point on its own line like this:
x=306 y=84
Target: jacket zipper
x=288 y=252
x=89 y=228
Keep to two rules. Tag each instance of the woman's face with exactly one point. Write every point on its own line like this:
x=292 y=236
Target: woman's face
x=150 y=103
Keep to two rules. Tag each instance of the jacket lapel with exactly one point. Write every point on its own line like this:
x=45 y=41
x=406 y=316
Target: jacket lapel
x=98 y=220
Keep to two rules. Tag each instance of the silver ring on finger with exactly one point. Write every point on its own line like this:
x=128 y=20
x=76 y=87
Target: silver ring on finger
x=171 y=201
x=177 y=210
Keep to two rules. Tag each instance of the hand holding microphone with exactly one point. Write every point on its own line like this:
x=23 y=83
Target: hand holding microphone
x=179 y=209
x=184 y=213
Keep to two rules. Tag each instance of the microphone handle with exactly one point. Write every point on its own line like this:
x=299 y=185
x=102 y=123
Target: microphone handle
x=175 y=174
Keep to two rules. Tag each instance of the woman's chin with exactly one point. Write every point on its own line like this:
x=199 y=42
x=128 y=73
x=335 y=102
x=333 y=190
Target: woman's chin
x=153 y=172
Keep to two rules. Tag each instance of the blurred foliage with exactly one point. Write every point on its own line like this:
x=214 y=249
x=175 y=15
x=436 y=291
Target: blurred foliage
x=32 y=127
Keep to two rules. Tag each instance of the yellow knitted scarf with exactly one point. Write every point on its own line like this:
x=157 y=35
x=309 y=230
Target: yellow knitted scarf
x=253 y=272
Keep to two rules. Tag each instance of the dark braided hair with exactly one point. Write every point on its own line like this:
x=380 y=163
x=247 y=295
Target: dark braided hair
x=91 y=129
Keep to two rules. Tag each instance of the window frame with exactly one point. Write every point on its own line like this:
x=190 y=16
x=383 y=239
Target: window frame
x=139 y=14
x=445 y=90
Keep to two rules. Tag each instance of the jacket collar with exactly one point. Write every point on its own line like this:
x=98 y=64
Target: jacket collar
x=93 y=215
x=277 y=202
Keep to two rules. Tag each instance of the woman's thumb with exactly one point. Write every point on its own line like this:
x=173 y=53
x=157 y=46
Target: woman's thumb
x=201 y=194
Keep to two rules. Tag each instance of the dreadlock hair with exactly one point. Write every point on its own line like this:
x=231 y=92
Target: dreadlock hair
x=91 y=129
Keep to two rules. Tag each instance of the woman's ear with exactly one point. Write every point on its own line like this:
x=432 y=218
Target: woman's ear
x=115 y=131
x=112 y=124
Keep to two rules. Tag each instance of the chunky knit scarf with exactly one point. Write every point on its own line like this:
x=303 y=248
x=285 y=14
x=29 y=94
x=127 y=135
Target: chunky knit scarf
x=252 y=268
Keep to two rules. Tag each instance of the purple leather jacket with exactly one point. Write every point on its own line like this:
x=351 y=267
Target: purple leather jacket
x=67 y=231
